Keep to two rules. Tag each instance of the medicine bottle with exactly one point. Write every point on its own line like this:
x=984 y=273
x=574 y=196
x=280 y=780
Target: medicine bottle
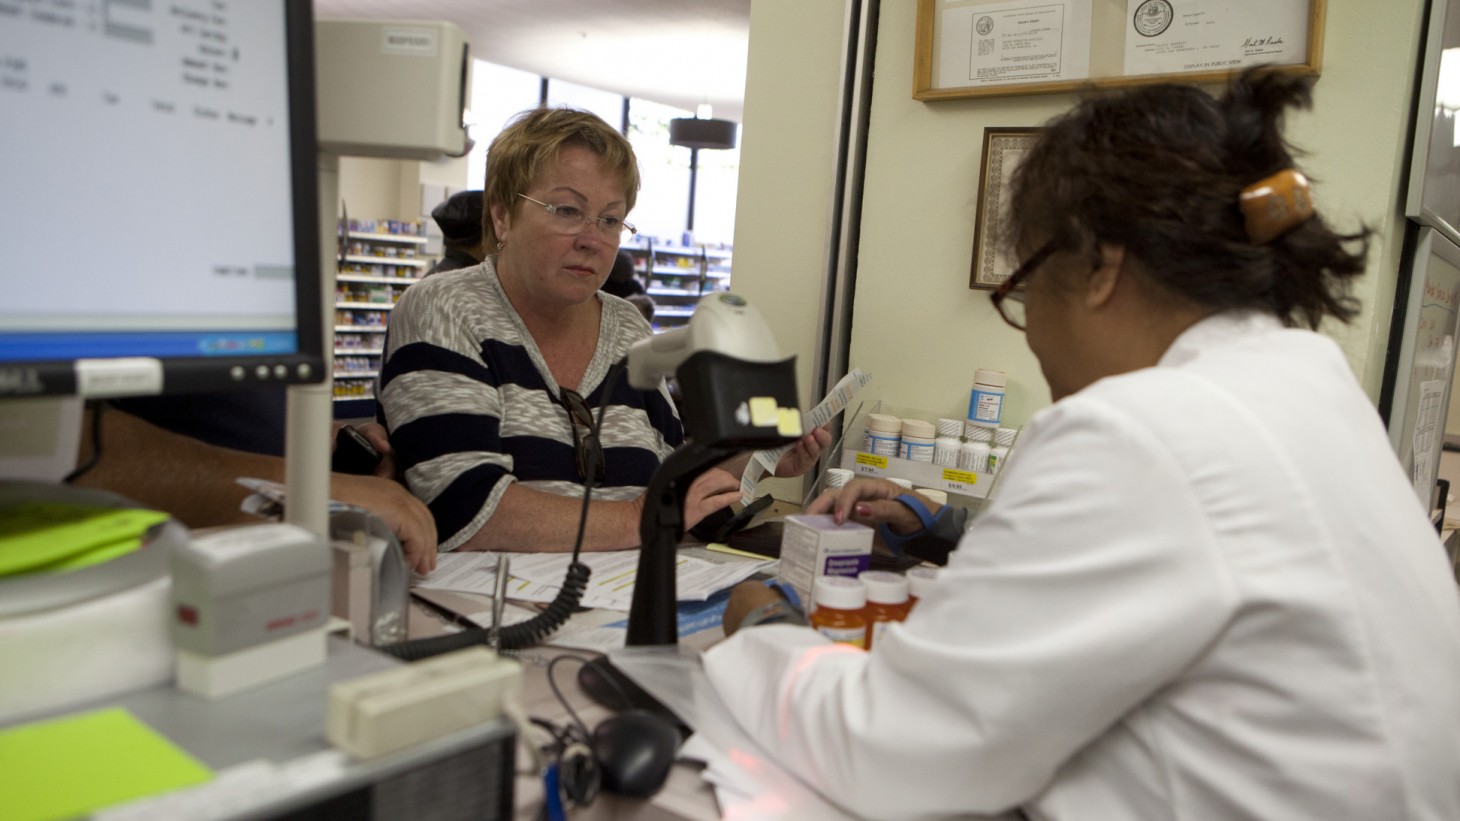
x=917 y=440
x=1003 y=438
x=837 y=477
x=882 y=434
x=986 y=400
x=841 y=610
x=945 y=446
x=919 y=582
x=974 y=455
x=886 y=601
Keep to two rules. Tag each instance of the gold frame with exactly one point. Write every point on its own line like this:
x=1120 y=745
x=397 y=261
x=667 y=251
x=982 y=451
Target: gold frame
x=989 y=267
x=1102 y=47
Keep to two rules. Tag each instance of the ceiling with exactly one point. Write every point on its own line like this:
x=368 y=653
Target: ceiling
x=675 y=52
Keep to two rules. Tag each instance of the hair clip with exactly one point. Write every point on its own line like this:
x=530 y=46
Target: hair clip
x=1275 y=205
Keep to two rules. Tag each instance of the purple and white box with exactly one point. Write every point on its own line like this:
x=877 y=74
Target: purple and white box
x=816 y=546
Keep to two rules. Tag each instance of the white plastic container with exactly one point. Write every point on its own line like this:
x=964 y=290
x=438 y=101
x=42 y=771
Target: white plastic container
x=837 y=477
x=920 y=581
x=945 y=446
x=917 y=440
x=986 y=400
x=882 y=434
x=1003 y=439
x=974 y=456
x=978 y=433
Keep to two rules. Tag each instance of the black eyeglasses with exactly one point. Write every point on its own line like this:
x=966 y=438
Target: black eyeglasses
x=1009 y=298
x=587 y=450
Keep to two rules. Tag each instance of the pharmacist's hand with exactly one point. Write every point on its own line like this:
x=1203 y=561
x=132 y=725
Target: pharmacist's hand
x=803 y=456
x=871 y=502
x=744 y=598
x=709 y=492
x=406 y=516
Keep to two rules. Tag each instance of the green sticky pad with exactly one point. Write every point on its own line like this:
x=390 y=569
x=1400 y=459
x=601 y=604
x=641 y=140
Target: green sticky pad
x=72 y=766
x=49 y=536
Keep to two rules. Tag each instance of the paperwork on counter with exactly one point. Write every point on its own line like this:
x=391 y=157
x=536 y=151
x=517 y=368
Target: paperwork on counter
x=536 y=577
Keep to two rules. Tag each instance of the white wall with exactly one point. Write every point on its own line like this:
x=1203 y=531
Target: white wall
x=787 y=169
x=391 y=189
x=917 y=326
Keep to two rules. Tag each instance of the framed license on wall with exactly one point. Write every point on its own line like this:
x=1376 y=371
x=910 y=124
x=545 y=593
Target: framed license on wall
x=1003 y=150
x=980 y=48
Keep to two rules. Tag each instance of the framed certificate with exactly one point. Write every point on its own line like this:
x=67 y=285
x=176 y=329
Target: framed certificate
x=984 y=48
x=1003 y=150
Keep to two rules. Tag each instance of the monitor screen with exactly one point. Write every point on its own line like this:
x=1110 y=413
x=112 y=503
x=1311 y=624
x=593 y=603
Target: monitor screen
x=159 y=202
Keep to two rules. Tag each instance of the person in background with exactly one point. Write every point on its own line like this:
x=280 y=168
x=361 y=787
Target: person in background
x=183 y=454
x=1206 y=588
x=459 y=217
x=495 y=376
x=624 y=284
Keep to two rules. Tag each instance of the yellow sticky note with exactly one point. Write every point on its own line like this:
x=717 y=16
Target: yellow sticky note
x=788 y=422
x=730 y=551
x=71 y=766
x=50 y=536
x=763 y=411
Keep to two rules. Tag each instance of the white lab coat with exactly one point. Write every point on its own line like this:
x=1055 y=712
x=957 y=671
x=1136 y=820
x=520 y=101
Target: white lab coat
x=1206 y=591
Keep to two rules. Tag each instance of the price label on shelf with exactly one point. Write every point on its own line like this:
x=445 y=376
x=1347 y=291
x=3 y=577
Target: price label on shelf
x=870 y=464
x=960 y=481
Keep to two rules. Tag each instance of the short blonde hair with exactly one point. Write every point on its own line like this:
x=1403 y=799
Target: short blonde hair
x=535 y=137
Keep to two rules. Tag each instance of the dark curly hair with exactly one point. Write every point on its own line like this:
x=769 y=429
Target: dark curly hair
x=1158 y=170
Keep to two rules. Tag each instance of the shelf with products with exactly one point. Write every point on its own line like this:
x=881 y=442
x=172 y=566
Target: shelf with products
x=677 y=276
x=378 y=260
x=972 y=484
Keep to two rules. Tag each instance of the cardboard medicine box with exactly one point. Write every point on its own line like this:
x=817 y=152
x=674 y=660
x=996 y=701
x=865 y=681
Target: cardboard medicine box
x=816 y=546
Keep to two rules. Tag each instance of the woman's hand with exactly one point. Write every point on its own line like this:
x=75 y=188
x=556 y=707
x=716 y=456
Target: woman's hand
x=803 y=456
x=871 y=502
x=406 y=516
x=709 y=492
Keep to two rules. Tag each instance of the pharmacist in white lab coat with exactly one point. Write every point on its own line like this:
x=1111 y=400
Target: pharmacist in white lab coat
x=1207 y=590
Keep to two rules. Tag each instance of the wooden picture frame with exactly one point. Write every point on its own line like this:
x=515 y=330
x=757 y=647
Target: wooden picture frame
x=1003 y=149
x=1119 y=45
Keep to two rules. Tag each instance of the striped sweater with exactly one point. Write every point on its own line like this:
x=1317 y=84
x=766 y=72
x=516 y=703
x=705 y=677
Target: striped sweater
x=472 y=407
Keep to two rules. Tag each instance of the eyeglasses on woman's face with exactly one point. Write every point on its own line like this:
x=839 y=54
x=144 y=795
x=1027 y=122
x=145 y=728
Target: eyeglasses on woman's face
x=586 y=446
x=1009 y=298
x=570 y=219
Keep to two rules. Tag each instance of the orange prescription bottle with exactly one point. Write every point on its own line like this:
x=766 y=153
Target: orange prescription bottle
x=919 y=581
x=886 y=601
x=840 y=612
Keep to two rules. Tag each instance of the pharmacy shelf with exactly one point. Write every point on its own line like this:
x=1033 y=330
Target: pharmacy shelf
x=359 y=329
x=366 y=306
x=376 y=280
x=974 y=484
x=356 y=374
x=408 y=262
x=409 y=239
x=359 y=351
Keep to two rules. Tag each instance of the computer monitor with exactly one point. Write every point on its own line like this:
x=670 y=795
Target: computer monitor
x=159 y=204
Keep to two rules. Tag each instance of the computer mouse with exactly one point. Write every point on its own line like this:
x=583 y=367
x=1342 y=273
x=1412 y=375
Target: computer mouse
x=635 y=749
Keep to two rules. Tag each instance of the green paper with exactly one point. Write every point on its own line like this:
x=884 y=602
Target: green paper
x=53 y=536
x=71 y=766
